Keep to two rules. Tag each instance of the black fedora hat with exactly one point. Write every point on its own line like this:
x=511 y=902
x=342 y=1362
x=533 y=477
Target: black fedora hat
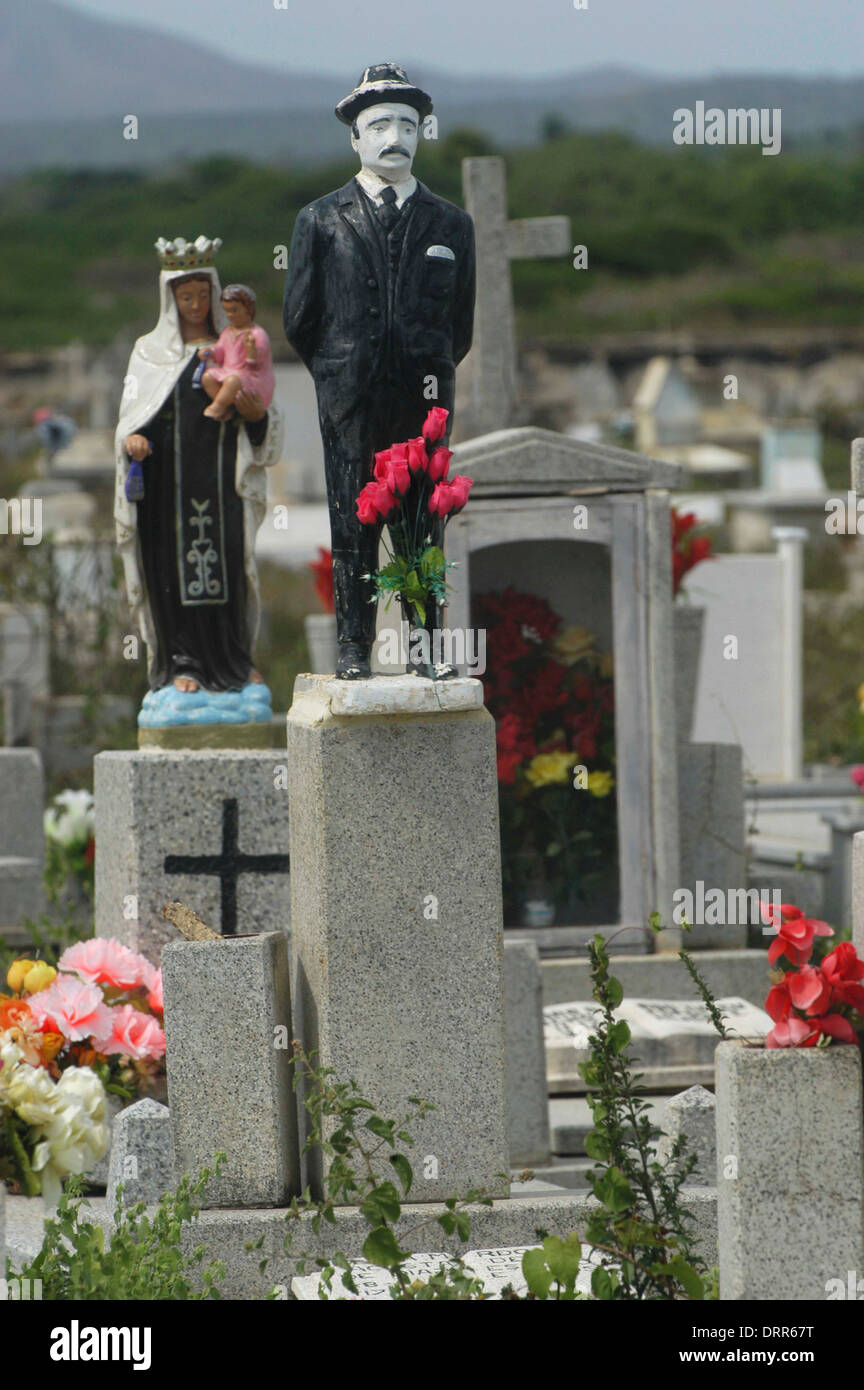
x=379 y=83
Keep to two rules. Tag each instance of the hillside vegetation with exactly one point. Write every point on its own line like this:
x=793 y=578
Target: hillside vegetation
x=677 y=238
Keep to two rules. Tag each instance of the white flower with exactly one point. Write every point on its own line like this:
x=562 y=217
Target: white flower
x=72 y=819
x=68 y=1115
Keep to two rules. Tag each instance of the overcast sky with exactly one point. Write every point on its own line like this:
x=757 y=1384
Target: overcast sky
x=678 y=37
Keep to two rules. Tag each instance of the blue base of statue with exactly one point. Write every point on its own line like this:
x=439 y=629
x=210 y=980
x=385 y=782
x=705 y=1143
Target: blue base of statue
x=170 y=707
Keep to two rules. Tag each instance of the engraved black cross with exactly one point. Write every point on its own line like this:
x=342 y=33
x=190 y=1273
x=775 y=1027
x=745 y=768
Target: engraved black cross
x=227 y=866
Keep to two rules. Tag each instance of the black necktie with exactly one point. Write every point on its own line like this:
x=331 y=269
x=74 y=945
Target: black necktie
x=388 y=213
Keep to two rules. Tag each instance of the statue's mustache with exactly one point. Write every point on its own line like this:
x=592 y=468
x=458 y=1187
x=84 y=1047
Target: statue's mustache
x=395 y=149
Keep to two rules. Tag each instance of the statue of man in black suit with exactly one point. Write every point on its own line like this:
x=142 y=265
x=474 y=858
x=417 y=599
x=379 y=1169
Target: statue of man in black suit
x=379 y=304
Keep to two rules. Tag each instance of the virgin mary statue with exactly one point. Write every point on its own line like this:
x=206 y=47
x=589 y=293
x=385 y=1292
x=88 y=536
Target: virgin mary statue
x=190 y=497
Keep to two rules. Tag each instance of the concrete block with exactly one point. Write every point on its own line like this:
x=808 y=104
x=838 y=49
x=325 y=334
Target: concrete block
x=527 y=1105
x=790 y=1149
x=228 y=1049
x=141 y=1154
x=692 y=1115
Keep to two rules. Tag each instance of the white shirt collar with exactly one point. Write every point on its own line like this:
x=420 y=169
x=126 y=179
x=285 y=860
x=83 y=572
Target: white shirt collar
x=371 y=184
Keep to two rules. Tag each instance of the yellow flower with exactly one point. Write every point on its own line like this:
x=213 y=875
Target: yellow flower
x=16 y=973
x=600 y=783
x=39 y=977
x=572 y=644
x=606 y=665
x=548 y=768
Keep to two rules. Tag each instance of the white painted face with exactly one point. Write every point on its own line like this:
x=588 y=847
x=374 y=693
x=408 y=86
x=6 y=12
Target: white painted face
x=387 y=140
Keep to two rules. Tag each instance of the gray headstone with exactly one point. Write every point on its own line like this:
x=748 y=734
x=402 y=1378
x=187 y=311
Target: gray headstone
x=140 y=1154
x=228 y=1055
x=528 y=1108
x=734 y=702
x=22 y=838
x=692 y=1114
x=156 y=808
x=711 y=821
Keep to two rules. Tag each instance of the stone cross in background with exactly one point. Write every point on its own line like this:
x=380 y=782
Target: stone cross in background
x=499 y=241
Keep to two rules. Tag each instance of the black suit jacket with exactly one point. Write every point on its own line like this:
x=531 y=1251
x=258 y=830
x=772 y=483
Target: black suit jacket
x=335 y=305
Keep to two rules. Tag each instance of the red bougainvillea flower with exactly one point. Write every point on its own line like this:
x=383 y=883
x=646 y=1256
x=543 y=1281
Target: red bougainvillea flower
x=435 y=424
x=322 y=570
x=795 y=933
x=794 y=1032
x=836 y=1026
x=857 y=775
x=439 y=463
x=842 y=970
x=809 y=991
x=778 y=1004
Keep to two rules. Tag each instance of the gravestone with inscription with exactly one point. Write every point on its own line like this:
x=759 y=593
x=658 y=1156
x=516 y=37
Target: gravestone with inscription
x=673 y=1040
x=208 y=829
x=498 y=1269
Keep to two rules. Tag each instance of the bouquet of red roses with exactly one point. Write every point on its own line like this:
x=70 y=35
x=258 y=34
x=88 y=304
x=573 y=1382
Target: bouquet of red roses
x=412 y=493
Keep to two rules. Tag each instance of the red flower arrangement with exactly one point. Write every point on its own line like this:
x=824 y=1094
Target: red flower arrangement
x=812 y=1004
x=322 y=571
x=688 y=550
x=551 y=695
x=412 y=493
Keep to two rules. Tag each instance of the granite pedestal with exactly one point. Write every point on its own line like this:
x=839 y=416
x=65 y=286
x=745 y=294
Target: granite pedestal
x=396 y=913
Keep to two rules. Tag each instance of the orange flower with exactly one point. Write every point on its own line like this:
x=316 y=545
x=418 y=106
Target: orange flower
x=13 y=1011
x=50 y=1045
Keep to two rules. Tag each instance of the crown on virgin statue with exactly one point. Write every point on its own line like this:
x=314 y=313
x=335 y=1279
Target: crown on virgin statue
x=181 y=254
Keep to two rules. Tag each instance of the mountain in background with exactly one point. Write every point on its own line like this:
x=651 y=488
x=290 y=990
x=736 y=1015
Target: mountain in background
x=68 y=78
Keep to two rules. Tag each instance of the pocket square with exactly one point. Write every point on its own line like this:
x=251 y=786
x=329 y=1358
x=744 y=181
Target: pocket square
x=441 y=253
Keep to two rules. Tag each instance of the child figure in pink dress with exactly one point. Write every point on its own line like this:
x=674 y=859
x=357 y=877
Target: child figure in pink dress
x=240 y=359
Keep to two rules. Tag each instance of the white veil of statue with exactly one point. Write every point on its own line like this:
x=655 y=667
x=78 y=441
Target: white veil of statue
x=157 y=361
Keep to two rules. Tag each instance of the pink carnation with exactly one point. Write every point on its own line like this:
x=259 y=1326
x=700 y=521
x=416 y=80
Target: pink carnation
x=105 y=961
x=130 y=1033
x=71 y=1007
x=154 y=998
